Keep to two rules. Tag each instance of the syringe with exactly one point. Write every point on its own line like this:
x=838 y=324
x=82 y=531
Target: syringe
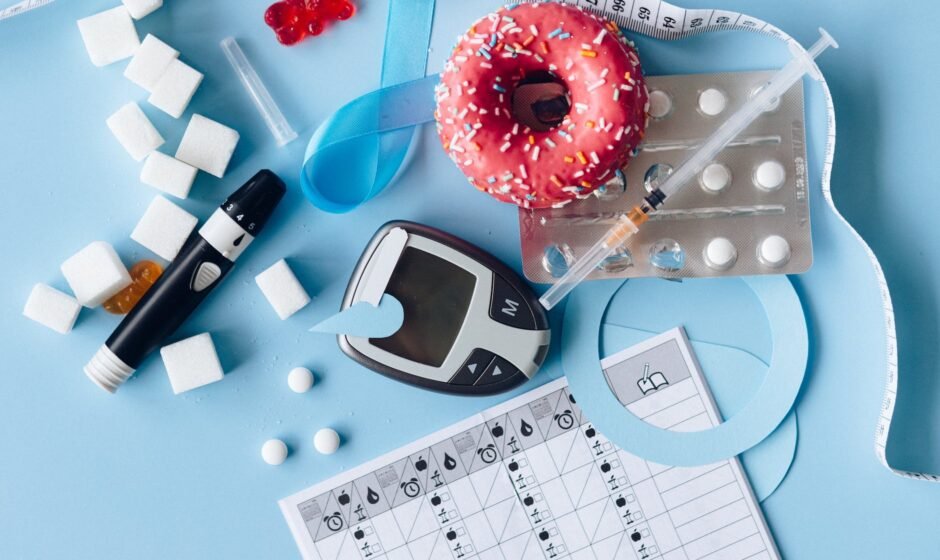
x=629 y=223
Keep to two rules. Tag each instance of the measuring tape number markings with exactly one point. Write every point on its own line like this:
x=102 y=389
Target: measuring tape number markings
x=21 y=8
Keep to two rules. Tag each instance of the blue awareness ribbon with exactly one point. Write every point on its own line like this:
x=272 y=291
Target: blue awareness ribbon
x=358 y=150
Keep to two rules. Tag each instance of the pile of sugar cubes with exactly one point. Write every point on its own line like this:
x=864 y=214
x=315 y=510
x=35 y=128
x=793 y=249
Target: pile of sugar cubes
x=96 y=273
x=207 y=145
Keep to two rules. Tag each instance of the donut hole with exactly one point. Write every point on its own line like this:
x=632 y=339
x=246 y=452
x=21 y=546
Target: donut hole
x=541 y=101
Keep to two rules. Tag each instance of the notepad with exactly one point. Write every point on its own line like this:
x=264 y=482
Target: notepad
x=532 y=478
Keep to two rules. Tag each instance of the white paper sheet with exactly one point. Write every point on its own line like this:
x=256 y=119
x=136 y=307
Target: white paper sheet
x=532 y=478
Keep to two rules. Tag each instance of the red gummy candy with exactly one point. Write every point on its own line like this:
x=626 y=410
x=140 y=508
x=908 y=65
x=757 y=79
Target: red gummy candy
x=290 y=35
x=282 y=14
x=337 y=9
x=315 y=27
x=292 y=20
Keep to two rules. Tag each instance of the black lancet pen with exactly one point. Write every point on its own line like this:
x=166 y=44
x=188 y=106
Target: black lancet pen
x=206 y=257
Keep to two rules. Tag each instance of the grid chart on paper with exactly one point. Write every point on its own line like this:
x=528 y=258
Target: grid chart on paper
x=533 y=478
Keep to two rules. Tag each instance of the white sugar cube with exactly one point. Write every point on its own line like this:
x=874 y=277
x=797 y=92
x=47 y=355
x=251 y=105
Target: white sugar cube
x=109 y=36
x=282 y=290
x=207 y=145
x=134 y=131
x=150 y=62
x=164 y=228
x=95 y=273
x=51 y=308
x=142 y=8
x=191 y=363
x=168 y=174
x=175 y=88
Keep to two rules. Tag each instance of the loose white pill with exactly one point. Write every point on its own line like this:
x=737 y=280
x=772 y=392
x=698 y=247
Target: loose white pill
x=716 y=177
x=712 y=102
x=770 y=175
x=660 y=104
x=274 y=451
x=774 y=251
x=300 y=380
x=326 y=441
x=720 y=253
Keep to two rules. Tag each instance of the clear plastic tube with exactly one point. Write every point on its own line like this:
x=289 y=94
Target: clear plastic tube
x=270 y=112
x=802 y=63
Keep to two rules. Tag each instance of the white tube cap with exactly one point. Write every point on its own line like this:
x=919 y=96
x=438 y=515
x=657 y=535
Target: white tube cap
x=107 y=370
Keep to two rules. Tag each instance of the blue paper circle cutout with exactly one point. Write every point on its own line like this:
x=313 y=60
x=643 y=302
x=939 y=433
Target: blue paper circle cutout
x=772 y=402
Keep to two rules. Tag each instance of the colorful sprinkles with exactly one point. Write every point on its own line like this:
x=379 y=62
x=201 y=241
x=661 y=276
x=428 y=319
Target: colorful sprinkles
x=541 y=168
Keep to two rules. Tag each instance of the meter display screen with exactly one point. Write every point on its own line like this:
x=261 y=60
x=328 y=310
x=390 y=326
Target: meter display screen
x=435 y=295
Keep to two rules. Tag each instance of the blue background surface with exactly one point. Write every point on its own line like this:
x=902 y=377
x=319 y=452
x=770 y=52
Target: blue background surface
x=146 y=474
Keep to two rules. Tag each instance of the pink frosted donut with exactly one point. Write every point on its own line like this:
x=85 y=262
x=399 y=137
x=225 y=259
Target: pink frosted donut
x=550 y=45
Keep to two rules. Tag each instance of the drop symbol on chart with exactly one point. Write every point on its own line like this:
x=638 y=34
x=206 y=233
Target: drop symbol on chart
x=449 y=462
x=372 y=496
x=525 y=428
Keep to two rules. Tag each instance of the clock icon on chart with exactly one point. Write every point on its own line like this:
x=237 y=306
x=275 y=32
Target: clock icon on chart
x=333 y=522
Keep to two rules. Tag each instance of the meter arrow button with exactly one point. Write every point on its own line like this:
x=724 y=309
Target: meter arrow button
x=473 y=368
x=498 y=371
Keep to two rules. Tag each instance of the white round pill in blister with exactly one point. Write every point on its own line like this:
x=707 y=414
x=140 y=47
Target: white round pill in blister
x=274 y=451
x=712 y=102
x=715 y=177
x=326 y=441
x=774 y=251
x=300 y=380
x=720 y=253
x=660 y=104
x=770 y=175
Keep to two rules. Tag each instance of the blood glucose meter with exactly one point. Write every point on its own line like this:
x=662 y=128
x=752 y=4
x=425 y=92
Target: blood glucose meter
x=471 y=326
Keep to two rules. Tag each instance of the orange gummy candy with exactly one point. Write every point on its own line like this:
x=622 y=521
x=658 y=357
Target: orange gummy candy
x=143 y=275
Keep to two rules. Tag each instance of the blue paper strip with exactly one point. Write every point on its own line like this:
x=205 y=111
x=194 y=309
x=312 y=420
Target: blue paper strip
x=356 y=152
x=366 y=320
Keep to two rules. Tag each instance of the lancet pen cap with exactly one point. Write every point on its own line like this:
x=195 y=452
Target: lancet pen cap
x=254 y=202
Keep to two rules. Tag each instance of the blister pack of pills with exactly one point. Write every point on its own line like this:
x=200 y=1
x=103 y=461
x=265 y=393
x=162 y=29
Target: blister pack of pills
x=748 y=214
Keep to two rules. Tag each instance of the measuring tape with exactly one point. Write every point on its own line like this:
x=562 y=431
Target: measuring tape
x=664 y=21
x=22 y=7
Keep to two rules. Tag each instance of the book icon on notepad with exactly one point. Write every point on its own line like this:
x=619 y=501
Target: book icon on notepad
x=651 y=382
